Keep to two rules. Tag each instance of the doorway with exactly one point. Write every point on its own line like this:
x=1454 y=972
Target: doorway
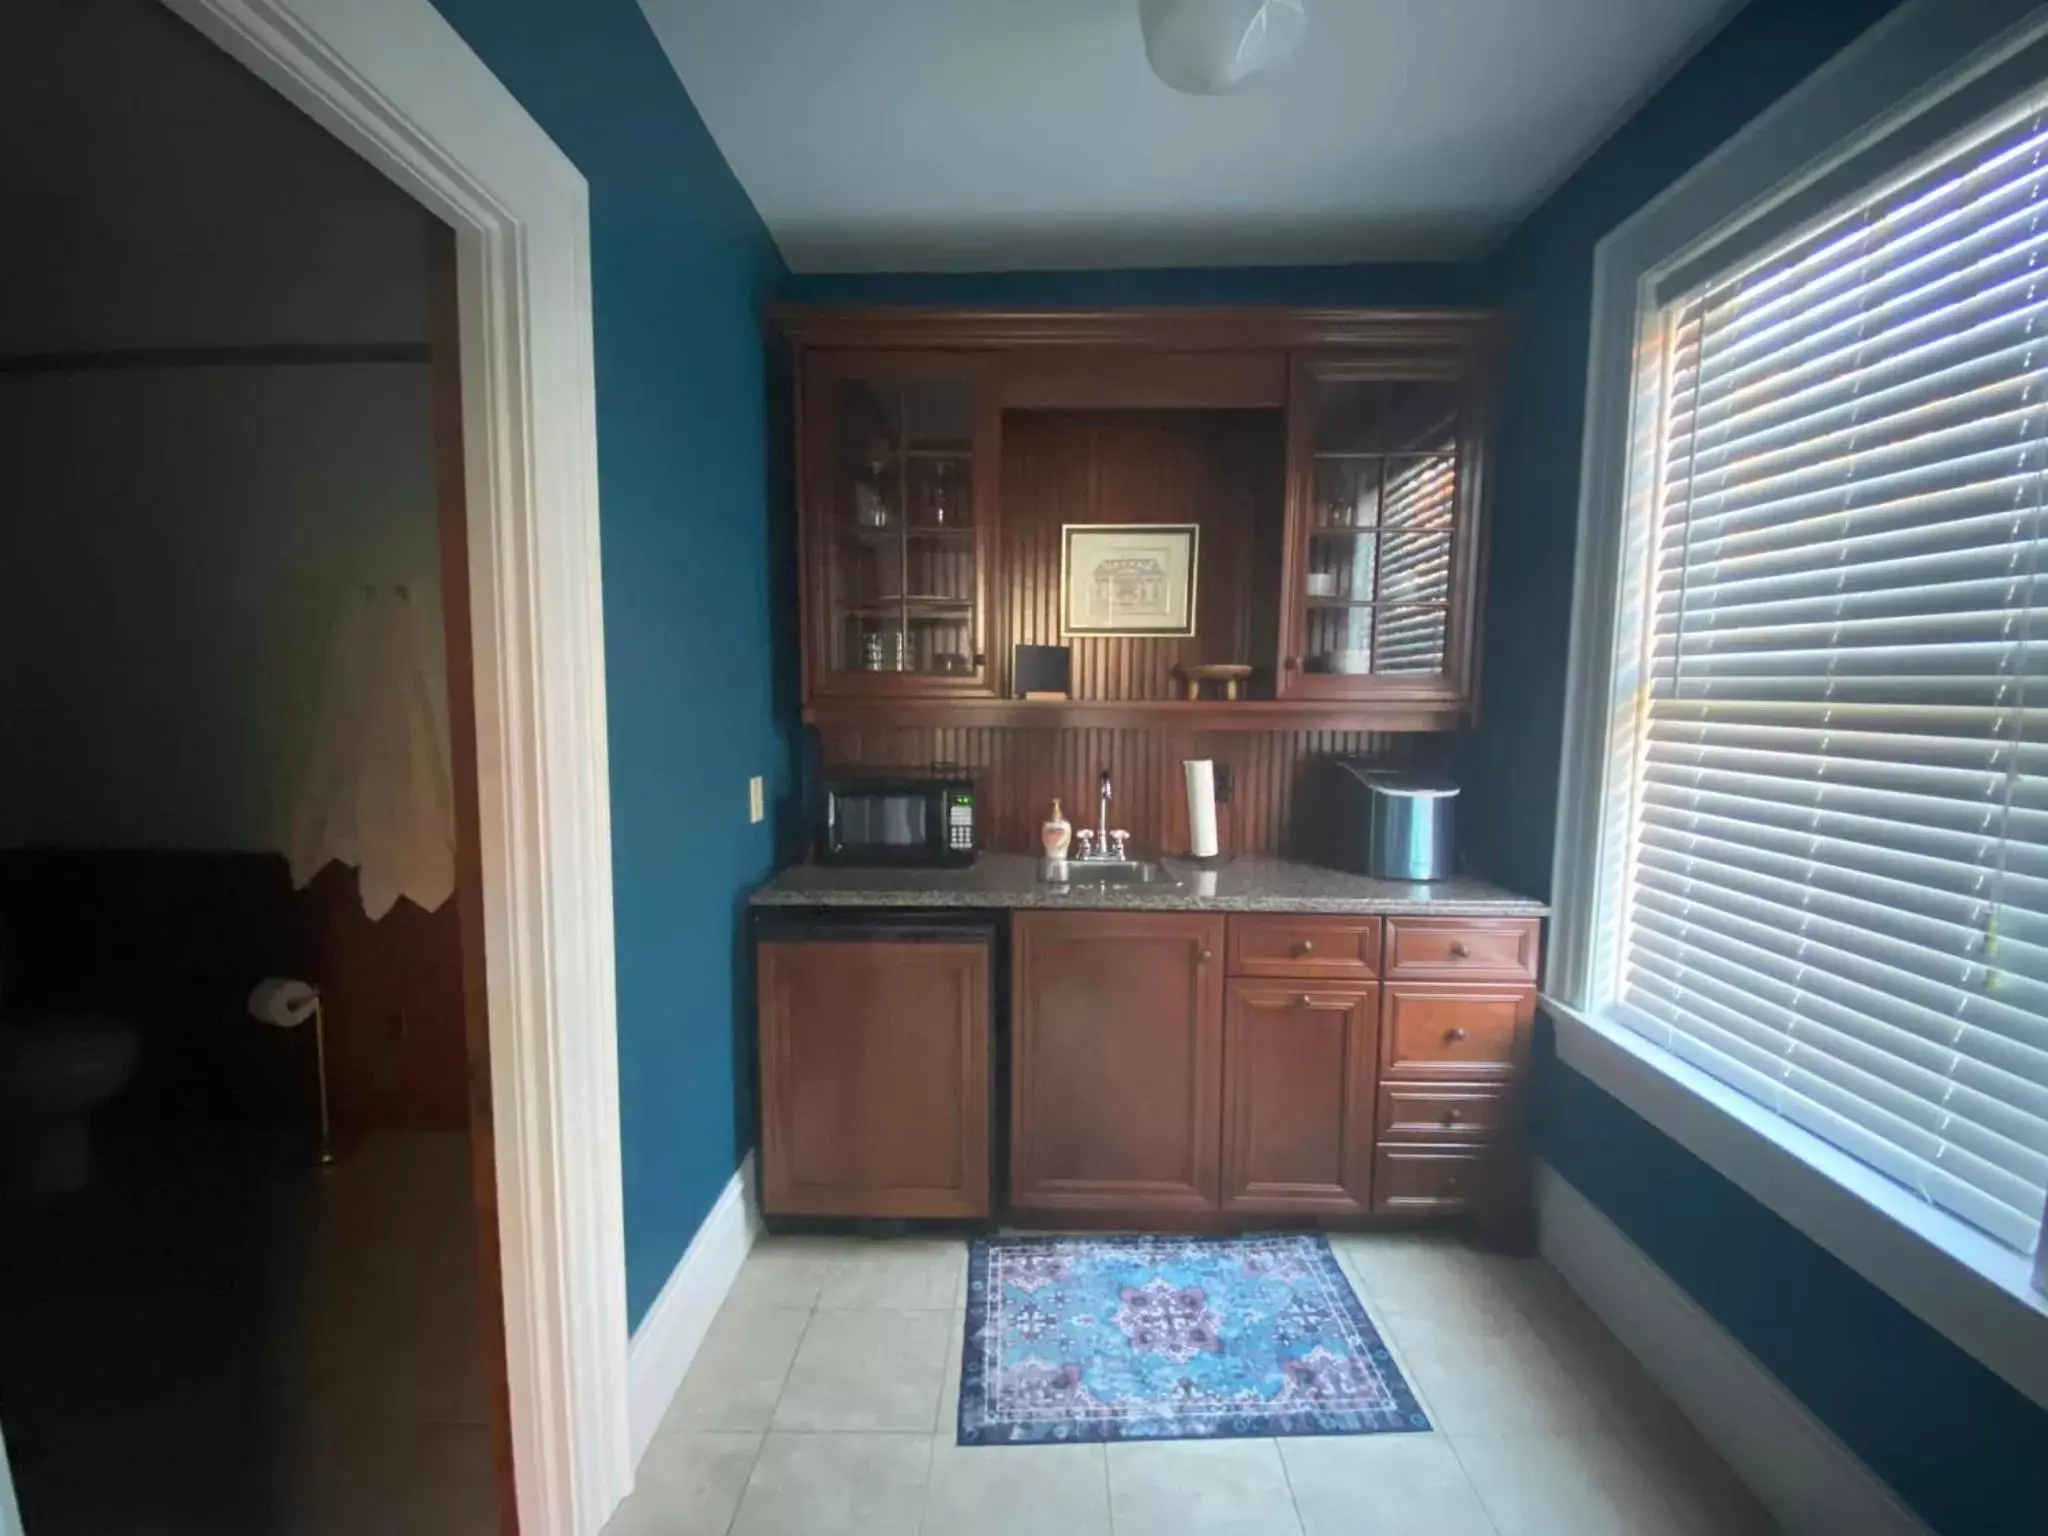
x=227 y=416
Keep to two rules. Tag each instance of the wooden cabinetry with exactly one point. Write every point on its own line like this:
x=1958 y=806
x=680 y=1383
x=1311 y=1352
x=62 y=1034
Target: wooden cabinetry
x=1338 y=464
x=1177 y=1066
x=1298 y=1096
x=874 y=1077
x=899 y=507
x=1116 y=1061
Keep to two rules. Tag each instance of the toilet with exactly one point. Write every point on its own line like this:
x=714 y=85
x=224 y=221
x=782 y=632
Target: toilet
x=55 y=1073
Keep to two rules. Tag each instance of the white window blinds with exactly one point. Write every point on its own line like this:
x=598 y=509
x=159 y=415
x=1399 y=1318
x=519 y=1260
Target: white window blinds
x=1836 y=896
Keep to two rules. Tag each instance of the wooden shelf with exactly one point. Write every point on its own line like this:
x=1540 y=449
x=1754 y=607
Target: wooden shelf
x=1424 y=712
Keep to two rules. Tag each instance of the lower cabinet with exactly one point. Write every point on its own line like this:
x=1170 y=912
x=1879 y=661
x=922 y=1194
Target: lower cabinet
x=1116 y=1060
x=1298 y=1082
x=874 y=1078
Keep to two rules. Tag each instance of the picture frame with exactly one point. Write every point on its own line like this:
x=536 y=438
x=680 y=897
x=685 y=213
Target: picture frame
x=1130 y=579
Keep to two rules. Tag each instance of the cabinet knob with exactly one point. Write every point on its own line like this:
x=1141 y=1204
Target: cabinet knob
x=1452 y=1117
x=1202 y=956
x=1450 y=1182
x=1459 y=951
x=1305 y=1000
x=1454 y=1034
x=1305 y=947
x=1293 y=663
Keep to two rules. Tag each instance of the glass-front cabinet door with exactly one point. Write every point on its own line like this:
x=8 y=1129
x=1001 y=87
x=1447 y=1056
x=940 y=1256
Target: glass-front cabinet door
x=899 y=503
x=1382 y=533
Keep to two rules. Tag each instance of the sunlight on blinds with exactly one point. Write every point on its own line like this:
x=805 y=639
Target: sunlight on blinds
x=1837 y=883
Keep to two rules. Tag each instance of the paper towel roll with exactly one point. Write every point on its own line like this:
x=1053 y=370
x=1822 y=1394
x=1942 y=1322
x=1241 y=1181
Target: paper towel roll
x=282 y=1002
x=1201 y=774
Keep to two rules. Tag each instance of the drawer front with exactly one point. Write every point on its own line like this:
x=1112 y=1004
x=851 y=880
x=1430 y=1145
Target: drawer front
x=1454 y=1032
x=1440 y=1112
x=1421 y=1181
x=1327 y=948
x=1462 y=948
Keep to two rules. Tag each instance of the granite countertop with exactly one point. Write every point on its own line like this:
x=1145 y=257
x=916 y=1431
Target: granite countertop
x=1236 y=883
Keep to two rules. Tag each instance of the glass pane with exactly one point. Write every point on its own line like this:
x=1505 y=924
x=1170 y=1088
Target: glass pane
x=937 y=415
x=1340 y=565
x=1377 y=416
x=902 y=543
x=1422 y=492
x=1410 y=641
x=1415 y=567
x=1347 y=492
x=1340 y=638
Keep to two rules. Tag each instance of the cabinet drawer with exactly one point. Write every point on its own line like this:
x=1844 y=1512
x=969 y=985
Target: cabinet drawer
x=1462 y=948
x=1346 y=948
x=1454 y=1032
x=1427 y=1180
x=1440 y=1112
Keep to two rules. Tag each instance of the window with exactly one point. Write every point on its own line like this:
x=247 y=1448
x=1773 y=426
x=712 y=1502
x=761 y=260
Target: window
x=1825 y=812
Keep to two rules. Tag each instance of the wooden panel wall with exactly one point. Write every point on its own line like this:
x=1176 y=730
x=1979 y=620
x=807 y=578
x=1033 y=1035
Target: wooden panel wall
x=1223 y=470
x=1022 y=770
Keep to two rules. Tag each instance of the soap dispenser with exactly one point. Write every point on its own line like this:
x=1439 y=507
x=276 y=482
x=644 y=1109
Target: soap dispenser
x=1057 y=833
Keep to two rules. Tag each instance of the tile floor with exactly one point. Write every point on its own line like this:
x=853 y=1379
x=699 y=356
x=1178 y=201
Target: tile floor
x=824 y=1399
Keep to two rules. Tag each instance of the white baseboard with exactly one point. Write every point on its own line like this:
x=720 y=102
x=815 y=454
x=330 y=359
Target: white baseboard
x=1811 y=1482
x=668 y=1336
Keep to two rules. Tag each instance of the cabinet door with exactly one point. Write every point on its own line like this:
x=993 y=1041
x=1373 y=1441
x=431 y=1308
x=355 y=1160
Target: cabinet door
x=874 y=1078
x=1298 y=1082
x=1116 y=1059
x=1384 y=521
x=898 y=512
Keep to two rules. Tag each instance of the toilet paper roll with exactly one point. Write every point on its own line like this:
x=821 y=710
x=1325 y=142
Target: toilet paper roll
x=1201 y=774
x=283 y=1002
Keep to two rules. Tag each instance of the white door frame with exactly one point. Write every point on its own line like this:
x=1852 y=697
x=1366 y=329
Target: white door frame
x=393 y=81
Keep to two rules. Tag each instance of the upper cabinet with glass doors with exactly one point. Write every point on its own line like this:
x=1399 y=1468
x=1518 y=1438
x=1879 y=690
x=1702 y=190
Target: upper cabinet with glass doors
x=1383 y=530
x=899 y=508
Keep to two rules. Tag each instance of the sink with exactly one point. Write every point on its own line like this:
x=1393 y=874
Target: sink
x=1114 y=872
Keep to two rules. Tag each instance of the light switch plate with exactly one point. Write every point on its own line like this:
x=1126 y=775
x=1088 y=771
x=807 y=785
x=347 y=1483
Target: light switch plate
x=757 y=799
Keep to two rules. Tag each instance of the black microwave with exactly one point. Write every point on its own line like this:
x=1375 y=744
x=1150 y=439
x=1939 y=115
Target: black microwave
x=930 y=818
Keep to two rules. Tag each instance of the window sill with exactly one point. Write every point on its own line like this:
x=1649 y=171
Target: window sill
x=1974 y=1292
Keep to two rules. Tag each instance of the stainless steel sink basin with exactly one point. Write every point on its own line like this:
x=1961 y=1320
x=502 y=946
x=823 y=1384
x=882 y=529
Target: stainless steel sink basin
x=1101 y=872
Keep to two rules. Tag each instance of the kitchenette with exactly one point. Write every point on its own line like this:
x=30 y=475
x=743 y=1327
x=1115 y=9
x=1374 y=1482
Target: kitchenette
x=1206 y=580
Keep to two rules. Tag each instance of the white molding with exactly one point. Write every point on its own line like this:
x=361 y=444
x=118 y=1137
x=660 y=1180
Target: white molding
x=1808 y=1479
x=670 y=1334
x=1976 y=1293
x=393 y=81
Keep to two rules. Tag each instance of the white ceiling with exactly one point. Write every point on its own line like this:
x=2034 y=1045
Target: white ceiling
x=933 y=135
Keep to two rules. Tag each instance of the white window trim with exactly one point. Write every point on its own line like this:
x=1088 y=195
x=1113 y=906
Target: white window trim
x=1980 y=1296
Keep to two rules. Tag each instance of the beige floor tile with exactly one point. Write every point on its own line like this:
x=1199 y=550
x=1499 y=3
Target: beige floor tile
x=1433 y=1276
x=836 y=1485
x=1564 y=1485
x=1488 y=1375
x=903 y=1274
x=1707 y=1497
x=946 y=1425
x=785 y=1272
x=1199 y=1488
x=689 y=1485
x=1028 y=1490
x=863 y=1370
x=1381 y=1485
x=738 y=1375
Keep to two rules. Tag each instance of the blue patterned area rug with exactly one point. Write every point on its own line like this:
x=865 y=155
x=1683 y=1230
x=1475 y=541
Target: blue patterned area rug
x=1170 y=1338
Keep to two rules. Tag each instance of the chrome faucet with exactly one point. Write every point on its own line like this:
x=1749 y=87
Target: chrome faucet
x=1098 y=844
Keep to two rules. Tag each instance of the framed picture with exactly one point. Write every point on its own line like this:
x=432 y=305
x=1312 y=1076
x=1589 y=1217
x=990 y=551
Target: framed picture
x=1128 y=578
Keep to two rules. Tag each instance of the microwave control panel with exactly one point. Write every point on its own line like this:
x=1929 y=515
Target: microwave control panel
x=960 y=824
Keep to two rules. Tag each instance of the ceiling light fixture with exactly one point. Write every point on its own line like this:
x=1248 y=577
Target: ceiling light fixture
x=1207 y=47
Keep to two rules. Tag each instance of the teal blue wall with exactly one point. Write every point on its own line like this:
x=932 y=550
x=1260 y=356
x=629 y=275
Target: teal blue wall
x=1960 y=1446
x=680 y=269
